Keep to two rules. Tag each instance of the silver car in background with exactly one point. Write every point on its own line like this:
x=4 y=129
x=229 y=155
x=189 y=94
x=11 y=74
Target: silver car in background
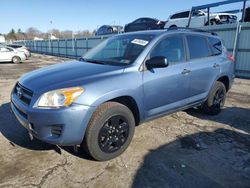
x=21 y=48
x=8 y=54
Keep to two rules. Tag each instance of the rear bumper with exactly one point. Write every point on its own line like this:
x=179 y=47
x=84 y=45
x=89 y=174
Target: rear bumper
x=27 y=54
x=23 y=57
x=64 y=126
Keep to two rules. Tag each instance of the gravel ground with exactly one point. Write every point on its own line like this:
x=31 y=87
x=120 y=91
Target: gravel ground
x=185 y=149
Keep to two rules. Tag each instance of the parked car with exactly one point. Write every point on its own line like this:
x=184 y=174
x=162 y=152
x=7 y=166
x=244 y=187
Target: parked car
x=199 y=19
x=21 y=48
x=108 y=29
x=124 y=81
x=8 y=54
x=144 y=24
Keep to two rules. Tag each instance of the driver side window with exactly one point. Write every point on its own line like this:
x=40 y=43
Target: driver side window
x=171 y=48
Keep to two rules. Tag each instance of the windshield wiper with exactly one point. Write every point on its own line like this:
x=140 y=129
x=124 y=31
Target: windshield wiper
x=106 y=62
x=92 y=61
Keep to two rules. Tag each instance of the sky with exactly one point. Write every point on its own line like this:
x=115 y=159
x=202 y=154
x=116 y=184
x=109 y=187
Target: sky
x=89 y=14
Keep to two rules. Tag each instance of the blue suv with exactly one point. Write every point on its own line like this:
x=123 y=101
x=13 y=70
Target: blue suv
x=128 y=79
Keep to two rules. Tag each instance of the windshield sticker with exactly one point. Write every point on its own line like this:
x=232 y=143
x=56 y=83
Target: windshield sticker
x=140 y=42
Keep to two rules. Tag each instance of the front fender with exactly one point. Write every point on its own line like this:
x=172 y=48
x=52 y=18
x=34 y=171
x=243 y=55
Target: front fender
x=121 y=93
x=111 y=95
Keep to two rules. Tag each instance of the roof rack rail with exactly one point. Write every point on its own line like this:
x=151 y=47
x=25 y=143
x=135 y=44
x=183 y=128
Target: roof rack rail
x=190 y=29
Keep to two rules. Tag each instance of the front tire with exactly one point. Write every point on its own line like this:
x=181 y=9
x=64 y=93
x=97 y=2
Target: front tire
x=216 y=99
x=110 y=131
x=16 y=59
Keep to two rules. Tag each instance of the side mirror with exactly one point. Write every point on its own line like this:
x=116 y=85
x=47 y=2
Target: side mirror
x=157 y=62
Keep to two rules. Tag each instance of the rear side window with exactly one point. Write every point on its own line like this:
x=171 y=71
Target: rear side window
x=180 y=15
x=198 y=47
x=216 y=46
x=149 y=20
x=138 y=21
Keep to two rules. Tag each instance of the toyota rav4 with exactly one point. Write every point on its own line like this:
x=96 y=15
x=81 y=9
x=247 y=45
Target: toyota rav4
x=128 y=79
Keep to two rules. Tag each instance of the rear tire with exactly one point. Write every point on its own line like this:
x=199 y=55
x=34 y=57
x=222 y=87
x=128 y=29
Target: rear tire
x=173 y=26
x=216 y=99
x=16 y=59
x=109 y=132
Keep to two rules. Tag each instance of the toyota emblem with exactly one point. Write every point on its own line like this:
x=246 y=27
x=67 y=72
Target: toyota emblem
x=19 y=92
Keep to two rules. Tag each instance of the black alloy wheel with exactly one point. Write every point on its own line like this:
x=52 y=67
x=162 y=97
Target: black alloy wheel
x=113 y=134
x=219 y=98
x=109 y=131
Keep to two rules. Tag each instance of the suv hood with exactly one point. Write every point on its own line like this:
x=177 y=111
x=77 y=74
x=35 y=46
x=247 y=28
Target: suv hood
x=67 y=74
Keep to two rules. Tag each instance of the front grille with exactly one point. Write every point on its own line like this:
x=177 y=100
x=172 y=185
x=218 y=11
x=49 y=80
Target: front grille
x=23 y=93
x=56 y=130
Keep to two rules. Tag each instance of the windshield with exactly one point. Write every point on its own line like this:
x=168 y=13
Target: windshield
x=119 y=50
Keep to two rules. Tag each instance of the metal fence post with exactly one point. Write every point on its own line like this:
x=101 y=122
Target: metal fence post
x=76 y=48
x=236 y=43
x=87 y=44
x=58 y=46
x=66 y=48
x=40 y=46
x=51 y=47
x=46 y=47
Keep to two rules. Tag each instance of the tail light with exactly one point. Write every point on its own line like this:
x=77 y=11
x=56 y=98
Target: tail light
x=230 y=57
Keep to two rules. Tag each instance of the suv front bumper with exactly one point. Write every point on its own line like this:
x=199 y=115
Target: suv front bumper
x=62 y=126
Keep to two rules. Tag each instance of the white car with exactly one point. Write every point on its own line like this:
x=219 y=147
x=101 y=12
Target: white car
x=8 y=54
x=199 y=19
x=21 y=48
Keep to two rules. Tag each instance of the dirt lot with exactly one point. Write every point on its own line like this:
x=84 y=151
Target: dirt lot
x=185 y=149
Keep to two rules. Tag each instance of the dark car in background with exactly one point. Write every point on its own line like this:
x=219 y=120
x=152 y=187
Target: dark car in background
x=109 y=29
x=144 y=24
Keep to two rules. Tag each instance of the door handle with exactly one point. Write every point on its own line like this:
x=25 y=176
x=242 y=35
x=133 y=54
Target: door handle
x=216 y=65
x=185 y=71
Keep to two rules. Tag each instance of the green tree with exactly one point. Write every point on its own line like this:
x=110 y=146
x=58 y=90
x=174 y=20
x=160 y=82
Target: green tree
x=11 y=35
x=19 y=31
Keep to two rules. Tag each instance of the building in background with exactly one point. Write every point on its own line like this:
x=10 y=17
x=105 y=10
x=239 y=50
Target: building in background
x=2 y=39
x=37 y=38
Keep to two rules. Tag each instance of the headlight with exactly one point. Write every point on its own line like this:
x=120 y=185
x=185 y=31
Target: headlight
x=60 y=97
